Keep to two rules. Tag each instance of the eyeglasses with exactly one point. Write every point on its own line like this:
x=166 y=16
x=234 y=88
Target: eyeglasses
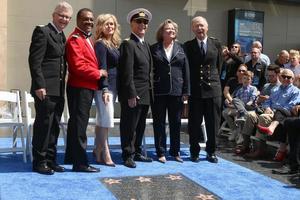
x=139 y=21
x=286 y=77
x=241 y=70
x=63 y=16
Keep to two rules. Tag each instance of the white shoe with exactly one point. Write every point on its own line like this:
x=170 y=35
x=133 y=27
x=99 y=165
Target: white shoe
x=239 y=139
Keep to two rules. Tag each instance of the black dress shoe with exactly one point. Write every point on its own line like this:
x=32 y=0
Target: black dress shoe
x=212 y=158
x=285 y=170
x=141 y=158
x=56 y=167
x=85 y=168
x=129 y=162
x=43 y=169
x=195 y=159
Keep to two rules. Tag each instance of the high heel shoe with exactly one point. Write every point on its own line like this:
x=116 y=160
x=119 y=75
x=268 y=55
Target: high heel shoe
x=178 y=159
x=162 y=159
x=100 y=158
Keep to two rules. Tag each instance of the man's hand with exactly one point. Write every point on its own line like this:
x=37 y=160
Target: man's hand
x=185 y=98
x=268 y=111
x=295 y=110
x=133 y=102
x=103 y=73
x=41 y=93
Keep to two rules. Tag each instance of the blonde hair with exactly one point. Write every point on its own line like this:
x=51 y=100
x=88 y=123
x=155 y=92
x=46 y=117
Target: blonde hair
x=115 y=40
x=160 y=30
x=295 y=53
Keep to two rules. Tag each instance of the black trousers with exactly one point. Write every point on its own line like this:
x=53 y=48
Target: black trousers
x=210 y=109
x=174 y=105
x=79 y=104
x=132 y=128
x=292 y=127
x=46 y=128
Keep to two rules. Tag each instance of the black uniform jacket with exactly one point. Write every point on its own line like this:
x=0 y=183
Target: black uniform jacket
x=135 y=71
x=46 y=60
x=204 y=74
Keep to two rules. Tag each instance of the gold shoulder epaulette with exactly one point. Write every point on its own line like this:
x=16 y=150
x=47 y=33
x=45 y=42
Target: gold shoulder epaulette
x=213 y=38
x=75 y=35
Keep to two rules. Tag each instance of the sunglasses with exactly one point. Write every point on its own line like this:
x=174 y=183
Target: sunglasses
x=286 y=77
x=234 y=47
x=139 y=21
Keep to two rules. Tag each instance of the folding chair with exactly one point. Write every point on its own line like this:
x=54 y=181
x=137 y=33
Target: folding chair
x=11 y=117
x=29 y=120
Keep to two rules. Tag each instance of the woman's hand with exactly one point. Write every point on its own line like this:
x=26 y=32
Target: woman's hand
x=106 y=97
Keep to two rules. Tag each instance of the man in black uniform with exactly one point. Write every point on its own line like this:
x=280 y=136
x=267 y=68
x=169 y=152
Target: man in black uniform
x=134 y=87
x=48 y=70
x=204 y=55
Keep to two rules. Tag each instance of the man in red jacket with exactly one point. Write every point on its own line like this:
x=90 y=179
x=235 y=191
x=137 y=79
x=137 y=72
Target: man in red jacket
x=82 y=82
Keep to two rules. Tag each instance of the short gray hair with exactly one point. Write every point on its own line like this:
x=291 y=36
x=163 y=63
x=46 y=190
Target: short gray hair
x=63 y=5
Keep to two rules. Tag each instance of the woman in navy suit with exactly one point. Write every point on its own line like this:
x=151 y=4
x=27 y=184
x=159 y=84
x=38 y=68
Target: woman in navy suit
x=171 y=88
x=106 y=48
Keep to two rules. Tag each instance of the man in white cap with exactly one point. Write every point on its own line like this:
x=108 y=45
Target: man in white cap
x=134 y=87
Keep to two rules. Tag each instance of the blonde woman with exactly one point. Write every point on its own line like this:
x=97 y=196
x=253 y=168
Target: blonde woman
x=108 y=39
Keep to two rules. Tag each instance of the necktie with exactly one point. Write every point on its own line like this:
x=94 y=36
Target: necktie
x=202 y=49
x=61 y=38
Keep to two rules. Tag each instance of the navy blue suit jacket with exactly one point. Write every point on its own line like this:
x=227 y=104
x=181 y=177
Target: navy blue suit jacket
x=170 y=77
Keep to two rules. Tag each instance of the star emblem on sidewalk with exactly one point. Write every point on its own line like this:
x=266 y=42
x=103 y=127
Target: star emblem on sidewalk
x=143 y=179
x=111 y=181
x=173 y=177
x=205 y=197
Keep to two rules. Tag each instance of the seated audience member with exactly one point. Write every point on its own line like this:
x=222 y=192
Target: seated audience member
x=280 y=135
x=252 y=116
x=282 y=59
x=277 y=108
x=291 y=127
x=295 y=66
x=257 y=66
x=263 y=57
x=232 y=58
x=231 y=86
x=245 y=96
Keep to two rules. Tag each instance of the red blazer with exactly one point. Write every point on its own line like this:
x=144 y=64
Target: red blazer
x=82 y=62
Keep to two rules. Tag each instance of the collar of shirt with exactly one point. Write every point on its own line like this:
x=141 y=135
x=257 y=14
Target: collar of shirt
x=247 y=87
x=284 y=87
x=204 y=43
x=87 y=35
x=140 y=39
x=55 y=27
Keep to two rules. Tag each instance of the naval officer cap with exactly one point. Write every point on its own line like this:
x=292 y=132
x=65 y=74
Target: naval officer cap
x=139 y=13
